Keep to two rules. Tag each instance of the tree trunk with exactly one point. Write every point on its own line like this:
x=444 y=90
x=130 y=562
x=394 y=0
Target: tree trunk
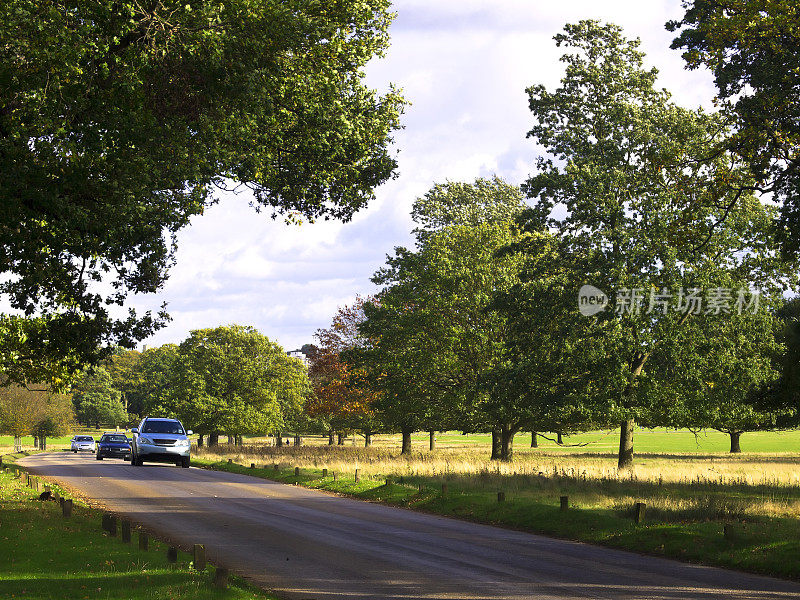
x=367 y=438
x=330 y=438
x=406 y=449
x=735 y=447
x=43 y=443
x=279 y=439
x=559 y=439
x=534 y=439
x=297 y=440
x=625 y=445
x=495 y=444
x=17 y=443
x=200 y=441
x=432 y=441
x=340 y=439
x=507 y=442
x=213 y=439
x=36 y=441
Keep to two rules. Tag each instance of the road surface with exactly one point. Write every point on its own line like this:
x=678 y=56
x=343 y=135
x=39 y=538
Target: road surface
x=307 y=544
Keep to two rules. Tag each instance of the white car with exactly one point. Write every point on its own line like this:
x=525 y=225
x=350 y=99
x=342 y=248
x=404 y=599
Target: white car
x=82 y=442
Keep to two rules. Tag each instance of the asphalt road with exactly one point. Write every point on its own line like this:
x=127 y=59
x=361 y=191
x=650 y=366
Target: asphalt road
x=306 y=544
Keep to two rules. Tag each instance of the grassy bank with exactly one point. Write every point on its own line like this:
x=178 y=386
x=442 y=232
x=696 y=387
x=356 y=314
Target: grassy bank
x=44 y=556
x=684 y=519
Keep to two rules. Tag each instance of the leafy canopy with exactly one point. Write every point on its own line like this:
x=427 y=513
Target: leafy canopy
x=119 y=120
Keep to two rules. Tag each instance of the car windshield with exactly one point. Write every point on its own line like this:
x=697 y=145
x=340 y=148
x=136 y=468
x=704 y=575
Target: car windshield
x=172 y=427
x=114 y=438
x=84 y=438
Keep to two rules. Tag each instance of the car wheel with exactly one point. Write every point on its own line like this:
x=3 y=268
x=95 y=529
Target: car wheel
x=98 y=457
x=75 y=451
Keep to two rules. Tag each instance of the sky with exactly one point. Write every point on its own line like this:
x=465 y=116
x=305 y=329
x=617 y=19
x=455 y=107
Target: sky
x=464 y=65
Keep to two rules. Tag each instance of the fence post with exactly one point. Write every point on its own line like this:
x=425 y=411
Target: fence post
x=564 y=502
x=221 y=578
x=199 y=558
x=501 y=496
x=110 y=524
x=324 y=472
x=172 y=554
x=356 y=476
x=126 y=531
x=639 y=511
x=66 y=509
x=144 y=541
x=297 y=471
x=252 y=465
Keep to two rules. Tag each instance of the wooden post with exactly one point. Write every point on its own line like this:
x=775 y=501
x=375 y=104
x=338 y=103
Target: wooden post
x=110 y=524
x=275 y=466
x=199 y=558
x=639 y=512
x=126 y=531
x=297 y=471
x=172 y=554
x=221 y=578
x=564 y=502
x=501 y=496
x=66 y=509
x=334 y=475
x=252 y=465
x=356 y=476
x=144 y=541
x=324 y=472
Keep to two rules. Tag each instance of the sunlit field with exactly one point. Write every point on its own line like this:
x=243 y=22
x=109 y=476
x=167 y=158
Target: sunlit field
x=673 y=469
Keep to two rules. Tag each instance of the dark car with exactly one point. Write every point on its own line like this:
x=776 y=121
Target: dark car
x=113 y=445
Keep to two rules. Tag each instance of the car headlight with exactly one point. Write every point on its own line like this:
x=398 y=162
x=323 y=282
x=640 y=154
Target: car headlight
x=144 y=440
x=182 y=443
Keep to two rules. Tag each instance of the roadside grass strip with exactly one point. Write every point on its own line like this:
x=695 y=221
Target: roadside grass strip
x=705 y=524
x=44 y=556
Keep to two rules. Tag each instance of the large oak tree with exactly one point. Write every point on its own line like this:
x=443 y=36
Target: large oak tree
x=119 y=120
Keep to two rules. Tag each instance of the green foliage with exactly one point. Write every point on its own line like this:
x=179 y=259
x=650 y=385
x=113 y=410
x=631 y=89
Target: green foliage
x=228 y=379
x=433 y=337
x=34 y=410
x=119 y=120
x=97 y=402
x=634 y=208
x=753 y=50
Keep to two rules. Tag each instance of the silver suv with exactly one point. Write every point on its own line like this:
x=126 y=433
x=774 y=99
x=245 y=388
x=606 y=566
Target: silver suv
x=160 y=440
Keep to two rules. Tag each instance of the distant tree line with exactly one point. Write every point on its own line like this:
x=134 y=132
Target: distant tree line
x=229 y=380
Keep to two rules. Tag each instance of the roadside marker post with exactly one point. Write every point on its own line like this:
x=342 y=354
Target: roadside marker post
x=639 y=508
x=66 y=509
x=324 y=473
x=356 y=477
x=126 y=531
x=221 y=578
x=110 y=524
x=297 y=471
x=172 y=554
x=199 y=557
x=501 y=496
x=144 y=541
x=564 y=502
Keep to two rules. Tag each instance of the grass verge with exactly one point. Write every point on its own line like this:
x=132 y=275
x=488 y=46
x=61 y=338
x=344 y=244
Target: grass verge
x=682 y=521
x=44 y=556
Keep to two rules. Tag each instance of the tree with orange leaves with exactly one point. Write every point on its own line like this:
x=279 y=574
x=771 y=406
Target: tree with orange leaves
x=342 y=397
